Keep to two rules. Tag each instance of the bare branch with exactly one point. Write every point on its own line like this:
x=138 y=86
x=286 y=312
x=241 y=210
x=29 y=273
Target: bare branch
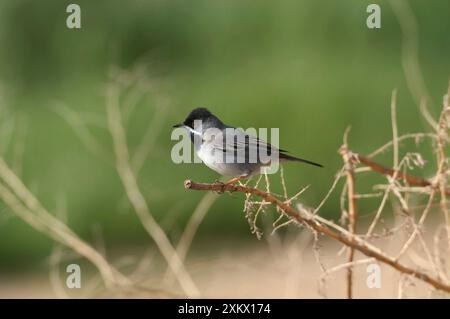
x=28 y=208
x=349 y=164
x=343 y=236
x=137 y=199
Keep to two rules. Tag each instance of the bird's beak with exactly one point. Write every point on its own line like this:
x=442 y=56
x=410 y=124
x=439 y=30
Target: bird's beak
x=178 y=125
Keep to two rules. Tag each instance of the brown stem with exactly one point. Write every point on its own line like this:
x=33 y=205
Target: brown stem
x=352 y=211
x=412 y=180
x=346 y=238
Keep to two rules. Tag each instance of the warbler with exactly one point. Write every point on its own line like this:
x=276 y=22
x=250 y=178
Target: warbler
x=231 y=151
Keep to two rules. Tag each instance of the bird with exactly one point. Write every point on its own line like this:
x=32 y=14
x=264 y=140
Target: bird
x=231 y=151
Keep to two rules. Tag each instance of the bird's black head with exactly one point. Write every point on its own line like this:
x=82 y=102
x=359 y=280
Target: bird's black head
x=204 y=115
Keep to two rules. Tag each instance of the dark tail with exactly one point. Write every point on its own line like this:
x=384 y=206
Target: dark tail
x=296 y=159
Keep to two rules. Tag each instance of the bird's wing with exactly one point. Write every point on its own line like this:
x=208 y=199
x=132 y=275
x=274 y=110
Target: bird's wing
x=240 y=147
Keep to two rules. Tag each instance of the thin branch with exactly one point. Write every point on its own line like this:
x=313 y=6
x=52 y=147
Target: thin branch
x=442 y=161
x=343 y=236
x=396 y=164
x=150 y=136
x=394 y=128
x=346 y=266
x=23 y=203
x=330 y=191
x=410 y=50
x=417 y=228
x=349 y=162
x=81 y=129
x=136 y=198
x=191 y=228
x=410 y=179
x=415 y=136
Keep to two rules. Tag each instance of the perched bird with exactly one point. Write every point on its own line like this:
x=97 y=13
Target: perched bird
x=231 y=151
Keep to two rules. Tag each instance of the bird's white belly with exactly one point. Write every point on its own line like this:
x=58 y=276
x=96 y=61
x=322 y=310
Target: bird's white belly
x=215 y=160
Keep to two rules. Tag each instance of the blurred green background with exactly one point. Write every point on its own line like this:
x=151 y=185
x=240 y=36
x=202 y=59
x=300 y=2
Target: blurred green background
x=310 y=68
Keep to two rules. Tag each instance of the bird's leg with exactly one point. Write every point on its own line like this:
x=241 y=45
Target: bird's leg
x=235 y=180
x=232 y=181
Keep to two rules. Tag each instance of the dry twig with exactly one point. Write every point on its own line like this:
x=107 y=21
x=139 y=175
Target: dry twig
x=349 y=164
x=136 y=198
x=341 y=235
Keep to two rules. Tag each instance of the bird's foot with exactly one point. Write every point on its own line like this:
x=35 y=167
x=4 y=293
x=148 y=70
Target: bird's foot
x=229 y=182
x=222 y=184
